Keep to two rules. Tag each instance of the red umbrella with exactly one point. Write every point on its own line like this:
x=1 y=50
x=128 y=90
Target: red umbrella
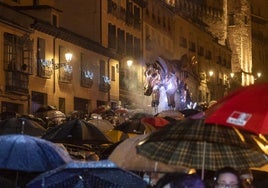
x=246 y=108
x=101 y=109
x=121 y=111
x=155 y=121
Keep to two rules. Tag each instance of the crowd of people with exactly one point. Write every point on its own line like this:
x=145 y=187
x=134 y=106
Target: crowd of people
x=226 y=177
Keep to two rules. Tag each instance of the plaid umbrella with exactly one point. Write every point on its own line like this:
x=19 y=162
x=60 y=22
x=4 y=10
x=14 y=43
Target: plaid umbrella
x=194 y=144
x=126 y=157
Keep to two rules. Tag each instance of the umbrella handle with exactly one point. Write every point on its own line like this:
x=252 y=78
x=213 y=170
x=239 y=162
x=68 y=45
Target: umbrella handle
x=203 y=161
x=22 y=126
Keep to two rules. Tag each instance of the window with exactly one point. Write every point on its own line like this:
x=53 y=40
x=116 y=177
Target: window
x=159 y=17
x=36 y=2
x=183 y=42
x=10 y=107
x=87 y=74
x=191 y=46
x=81 y=105
x=137 y=50
x=208 y=54
x=219 y=60
x=65 y=70
x=111 y=36
x=102 y=69
x=121 y=41
x=62 y=104
x=246 y=20
x=110 y=6
x=44 y=66
x=137 y=22
x=38 y=99
x=164 y=22
x=147 y=11
x=41 y=48
x=55 y=20
x=16 y=1
x=18 y=53
x=231 y=19
x=129 y=44
x=169 y=25
x=17 y=63
x=104 y=78
x=200 y=51
x=129 y=13
x=113 y=73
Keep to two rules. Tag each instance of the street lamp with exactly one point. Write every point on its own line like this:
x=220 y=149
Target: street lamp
x=210 y=73
x=129 y=62
x=68 y=57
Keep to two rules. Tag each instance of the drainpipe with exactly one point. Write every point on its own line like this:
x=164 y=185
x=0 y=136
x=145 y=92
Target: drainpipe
x=54 y=65
x=109 y=93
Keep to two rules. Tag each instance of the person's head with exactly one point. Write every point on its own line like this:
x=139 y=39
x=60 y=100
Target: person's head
x=180 y=180
x=246 y=179
x=227 y=177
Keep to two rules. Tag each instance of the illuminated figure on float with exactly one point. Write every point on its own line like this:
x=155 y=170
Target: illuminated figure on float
x=167 y=78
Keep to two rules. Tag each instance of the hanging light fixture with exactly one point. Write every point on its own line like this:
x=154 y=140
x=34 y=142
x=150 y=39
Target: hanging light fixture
x=68 y=56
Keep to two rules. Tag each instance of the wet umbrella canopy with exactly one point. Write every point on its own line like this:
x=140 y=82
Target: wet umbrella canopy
x=45 y=108
x=135 y=126
x=21 y=126
x=194 y=144
x=77 y=132
x=30 y=154
x=88 y=174
x=156 y=122
x=125 y=156
x=246 y=109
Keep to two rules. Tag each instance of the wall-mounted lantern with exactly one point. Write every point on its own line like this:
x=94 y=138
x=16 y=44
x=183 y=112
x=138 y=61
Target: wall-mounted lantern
x=65 y=69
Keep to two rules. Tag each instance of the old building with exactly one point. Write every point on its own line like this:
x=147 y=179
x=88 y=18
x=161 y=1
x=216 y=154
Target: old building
x=172 y=30
x=259 y=19
x=36 y=71
x=242 y=26
x=224 y=42
x=116 y=25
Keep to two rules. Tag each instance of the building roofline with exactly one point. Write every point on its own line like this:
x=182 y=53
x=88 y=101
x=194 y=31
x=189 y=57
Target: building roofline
x=73 y=38
x=35 y=7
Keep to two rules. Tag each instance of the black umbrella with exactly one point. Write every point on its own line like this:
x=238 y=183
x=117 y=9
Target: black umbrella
x=8 y=114
x=134 y=126
x=189 y=112
x=21 y=126
x=76 y=132
x=88 y=174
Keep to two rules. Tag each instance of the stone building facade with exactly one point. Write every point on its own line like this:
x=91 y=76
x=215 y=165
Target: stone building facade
x=35 y=71
x=216 y=36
